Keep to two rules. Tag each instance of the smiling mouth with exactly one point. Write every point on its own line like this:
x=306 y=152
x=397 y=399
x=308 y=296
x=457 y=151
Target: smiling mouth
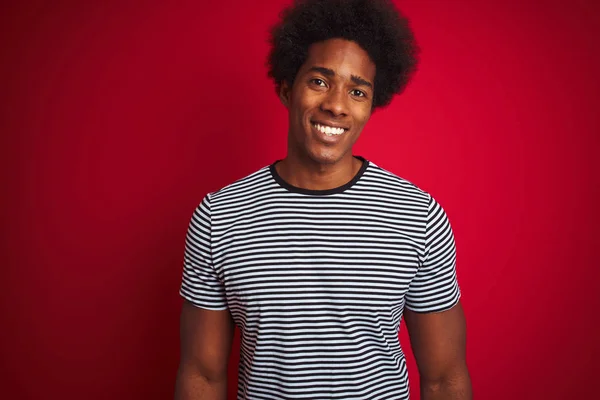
x=329 y=130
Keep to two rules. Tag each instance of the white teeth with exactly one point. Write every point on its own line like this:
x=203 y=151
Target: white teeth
x=328 y=130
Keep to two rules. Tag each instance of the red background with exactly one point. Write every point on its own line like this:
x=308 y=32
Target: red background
x=116 y=118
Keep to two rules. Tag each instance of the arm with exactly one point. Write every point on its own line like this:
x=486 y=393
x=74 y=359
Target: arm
x=438 y=342
x=206 y=338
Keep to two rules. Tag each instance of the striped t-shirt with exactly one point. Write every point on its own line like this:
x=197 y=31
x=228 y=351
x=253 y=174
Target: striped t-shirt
x=317 y=280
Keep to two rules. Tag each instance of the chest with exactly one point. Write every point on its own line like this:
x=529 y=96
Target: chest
x=316 y=260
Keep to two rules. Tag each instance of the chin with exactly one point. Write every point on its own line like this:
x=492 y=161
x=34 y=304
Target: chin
x=325 y=158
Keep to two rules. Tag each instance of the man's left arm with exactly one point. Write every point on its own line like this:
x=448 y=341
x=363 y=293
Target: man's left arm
x=434 y=315
x=438 y=341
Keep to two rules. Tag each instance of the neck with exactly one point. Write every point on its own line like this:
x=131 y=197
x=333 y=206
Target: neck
x=307 y=174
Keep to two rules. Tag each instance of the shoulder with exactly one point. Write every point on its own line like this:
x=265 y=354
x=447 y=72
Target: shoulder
x=409 y=192
x=386 y=183
x=243 y=189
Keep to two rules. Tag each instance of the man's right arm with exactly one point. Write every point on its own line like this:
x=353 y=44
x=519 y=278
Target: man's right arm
x=206 y=339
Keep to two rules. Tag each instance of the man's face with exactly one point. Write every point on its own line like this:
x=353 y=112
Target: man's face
x=330 y=101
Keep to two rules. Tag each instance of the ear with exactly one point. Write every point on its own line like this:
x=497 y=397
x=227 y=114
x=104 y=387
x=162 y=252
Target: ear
x=284 y=93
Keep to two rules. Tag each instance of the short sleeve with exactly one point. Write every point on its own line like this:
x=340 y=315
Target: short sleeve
x=200 y=283
x=435 y=286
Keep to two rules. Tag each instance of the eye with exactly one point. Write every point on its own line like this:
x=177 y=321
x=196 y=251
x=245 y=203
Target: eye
x=358 y=93
x=318 y=82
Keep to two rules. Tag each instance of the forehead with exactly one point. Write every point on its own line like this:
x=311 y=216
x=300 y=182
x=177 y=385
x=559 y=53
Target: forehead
x=344 y=57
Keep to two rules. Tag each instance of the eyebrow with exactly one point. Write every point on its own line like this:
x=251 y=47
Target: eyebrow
x=330 y=73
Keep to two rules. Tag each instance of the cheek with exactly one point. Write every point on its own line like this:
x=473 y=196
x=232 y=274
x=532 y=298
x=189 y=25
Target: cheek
x=362 y=117
x=306 y=100
x=297 y=107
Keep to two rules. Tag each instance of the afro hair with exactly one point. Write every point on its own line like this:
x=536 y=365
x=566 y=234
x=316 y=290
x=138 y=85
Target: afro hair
x=377 y=26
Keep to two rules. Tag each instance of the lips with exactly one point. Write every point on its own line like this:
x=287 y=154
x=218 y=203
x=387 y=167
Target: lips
x=329 y=129
x=330 y=124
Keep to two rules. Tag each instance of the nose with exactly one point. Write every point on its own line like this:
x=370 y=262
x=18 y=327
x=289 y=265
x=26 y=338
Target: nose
x=335 y=102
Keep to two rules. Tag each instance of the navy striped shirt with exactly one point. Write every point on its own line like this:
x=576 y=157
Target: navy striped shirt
x=317 y=280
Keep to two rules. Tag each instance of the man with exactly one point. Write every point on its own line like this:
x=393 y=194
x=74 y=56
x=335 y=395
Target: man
x=317 y=257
